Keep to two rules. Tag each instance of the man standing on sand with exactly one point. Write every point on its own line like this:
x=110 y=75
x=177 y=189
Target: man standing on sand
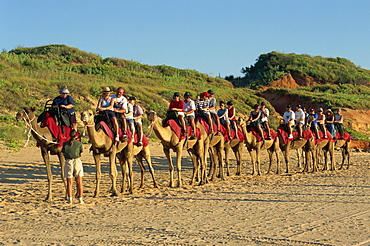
x=72 y=150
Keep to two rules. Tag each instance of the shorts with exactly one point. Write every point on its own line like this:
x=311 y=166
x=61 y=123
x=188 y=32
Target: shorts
x=181 y=113
x=110 y=113
x=298 y=122
x=73 y=168
x=223 y=121
x=120 y=115
x=130 y=121
x=138 y=121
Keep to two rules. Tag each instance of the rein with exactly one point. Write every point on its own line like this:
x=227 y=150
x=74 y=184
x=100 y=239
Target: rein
x=28 y=123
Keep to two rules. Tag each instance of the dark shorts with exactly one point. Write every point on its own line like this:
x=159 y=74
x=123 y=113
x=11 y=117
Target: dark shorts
x=256 y=123
x=130 y=121
x=110 y=113
x=120 y=115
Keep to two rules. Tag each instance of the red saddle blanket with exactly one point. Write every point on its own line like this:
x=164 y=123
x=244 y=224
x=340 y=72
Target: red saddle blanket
x=255 y=132
x=222 y=130
x=346 y=137
x=307 y=134
x=178 y=130
x=60 y=133
x=103 y=125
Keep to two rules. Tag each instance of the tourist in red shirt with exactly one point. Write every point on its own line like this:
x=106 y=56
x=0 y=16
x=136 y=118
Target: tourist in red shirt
x=178 y=105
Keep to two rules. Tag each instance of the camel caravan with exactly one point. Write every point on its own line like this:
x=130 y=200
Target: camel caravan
x=115 y=131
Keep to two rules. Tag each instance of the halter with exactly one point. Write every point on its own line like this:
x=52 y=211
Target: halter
x=28 y=123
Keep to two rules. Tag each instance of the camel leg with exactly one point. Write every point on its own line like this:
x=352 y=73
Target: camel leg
x=213 y=165
x=62 y=162
x=252 y=160
x=178 y=165
x=227 y=155
x=270 y=152
x=148 y=159
x=113 y=172
x=286 y=157
x=238 y=156
x=130 y=171
x=123 y=164
x=45 y=156
x=97 y=174
x=139 y=159
x=170 y=165
x=325 y=153
x=194 y=161
x=258 y=164
x=221 y=164
x=315 y=166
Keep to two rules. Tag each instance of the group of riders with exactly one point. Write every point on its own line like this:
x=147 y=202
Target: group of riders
x=119 y=108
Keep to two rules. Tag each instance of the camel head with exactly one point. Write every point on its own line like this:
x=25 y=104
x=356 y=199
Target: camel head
x=151 y=115
x=241 y=122
x=87 y=117
x=26 y=113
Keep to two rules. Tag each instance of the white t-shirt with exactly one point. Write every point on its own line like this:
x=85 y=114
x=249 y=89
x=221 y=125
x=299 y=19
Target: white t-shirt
x=288 y=116
x=300 y=115
x=130 y=111
x=188 y=106
x=120 y=102
x=264 y=118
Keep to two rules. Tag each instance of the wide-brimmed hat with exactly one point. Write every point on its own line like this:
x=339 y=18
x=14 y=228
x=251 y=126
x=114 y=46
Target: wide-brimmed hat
x=106 y=89
x=64 y=90
x=210 y=91
x=329 y=110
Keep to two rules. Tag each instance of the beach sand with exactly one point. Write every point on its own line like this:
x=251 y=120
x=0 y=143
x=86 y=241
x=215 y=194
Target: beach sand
x=323 y=208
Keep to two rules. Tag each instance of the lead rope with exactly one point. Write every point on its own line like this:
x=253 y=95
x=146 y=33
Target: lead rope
x=28 y=123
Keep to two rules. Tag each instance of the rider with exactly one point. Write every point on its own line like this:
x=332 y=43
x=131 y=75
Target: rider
x=222 y=113
x=314 y=122
x=231 y=114
x=212 y=108
x=105 y=104
x=338 y=122
x=202 y=105
x=120 y=107
x=178 y=105
x=299 y=119
x=289 y=117
x=321 y=121
x=255 y=119
x=189 y=109
x=137 y=116
x=65 y=101
x=330 y=122
x=264 y=118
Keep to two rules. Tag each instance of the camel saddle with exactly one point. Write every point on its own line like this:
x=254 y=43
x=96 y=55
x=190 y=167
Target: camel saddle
x=177 y=129
x=258 y=136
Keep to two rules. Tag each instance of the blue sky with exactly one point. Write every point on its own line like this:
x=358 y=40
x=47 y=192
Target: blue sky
x=216 y=37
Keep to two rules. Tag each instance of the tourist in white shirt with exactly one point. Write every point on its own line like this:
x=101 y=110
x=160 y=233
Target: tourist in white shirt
x=264 y=118
x=189 y=111
x=289 y=118
x=299 y=119
x=120 y=108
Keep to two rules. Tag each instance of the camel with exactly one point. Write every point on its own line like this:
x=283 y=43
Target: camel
x=47 y=145
x=102 y=144
x=327 y=145
x=169 y=140
x=272 y=146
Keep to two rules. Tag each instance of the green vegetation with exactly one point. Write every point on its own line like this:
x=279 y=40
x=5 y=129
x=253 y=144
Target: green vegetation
x=275 y=65
x=31 y=76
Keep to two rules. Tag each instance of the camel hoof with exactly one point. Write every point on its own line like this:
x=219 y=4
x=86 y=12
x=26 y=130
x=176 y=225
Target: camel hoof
x=237 y=174
x=114 y=194
x=155 y=186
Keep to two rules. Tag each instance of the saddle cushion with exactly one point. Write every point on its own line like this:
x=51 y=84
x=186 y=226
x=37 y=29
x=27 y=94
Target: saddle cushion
x=178 y=130
x=307 y=134
x=103 y=125
x=60 y=133
x=254 y=131
x=346 y=137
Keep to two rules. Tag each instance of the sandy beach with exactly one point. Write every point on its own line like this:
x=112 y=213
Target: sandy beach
x=323 y=208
